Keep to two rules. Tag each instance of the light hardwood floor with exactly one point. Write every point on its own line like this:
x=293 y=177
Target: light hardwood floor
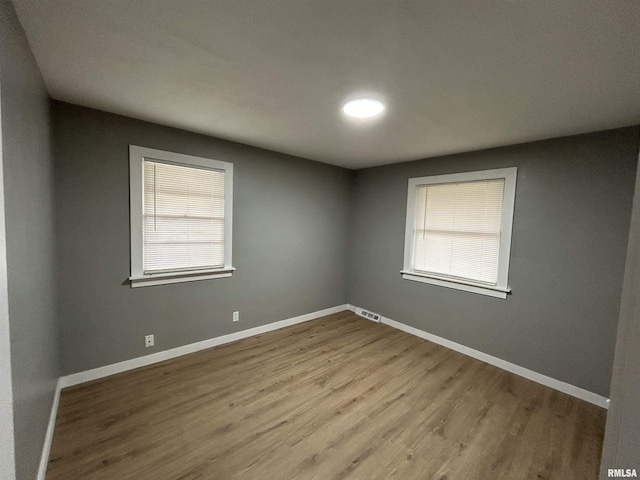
x=335 y=398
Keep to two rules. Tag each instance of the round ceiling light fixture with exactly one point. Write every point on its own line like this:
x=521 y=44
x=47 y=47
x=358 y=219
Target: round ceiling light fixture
x=363 y=107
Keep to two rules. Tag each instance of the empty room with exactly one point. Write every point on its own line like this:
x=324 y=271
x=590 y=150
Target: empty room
x=319 y=239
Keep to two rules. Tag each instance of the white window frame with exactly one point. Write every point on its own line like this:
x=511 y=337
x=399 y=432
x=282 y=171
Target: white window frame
x=501 y=289
x=137 y=155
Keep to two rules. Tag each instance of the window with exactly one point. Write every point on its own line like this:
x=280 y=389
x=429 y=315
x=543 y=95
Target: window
x=181 y=209
x=458 y=231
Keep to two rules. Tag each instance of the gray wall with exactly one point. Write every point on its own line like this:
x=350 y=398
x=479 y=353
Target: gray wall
x=7 y=450
x=28 y=192
x=290 y=227
x=622 y=443
x=572 y=213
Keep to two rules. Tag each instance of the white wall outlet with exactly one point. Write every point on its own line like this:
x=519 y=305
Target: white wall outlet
x=236 y=316
x=149 y=341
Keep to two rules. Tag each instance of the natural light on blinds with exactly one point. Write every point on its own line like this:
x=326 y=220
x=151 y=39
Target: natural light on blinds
x=457 y=229
x=183 y=219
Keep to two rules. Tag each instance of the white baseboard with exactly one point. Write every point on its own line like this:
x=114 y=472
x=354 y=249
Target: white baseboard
x=46 y=448
x=96 y=373
x=503 y=364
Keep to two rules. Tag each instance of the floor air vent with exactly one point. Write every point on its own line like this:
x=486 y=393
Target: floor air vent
x=368 y=315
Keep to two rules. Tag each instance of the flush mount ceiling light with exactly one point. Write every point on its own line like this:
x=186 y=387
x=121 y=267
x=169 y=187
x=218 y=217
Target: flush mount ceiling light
x=363 y=107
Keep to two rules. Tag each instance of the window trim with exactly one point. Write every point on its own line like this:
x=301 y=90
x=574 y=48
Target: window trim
x=138 y=278
x=501 y=289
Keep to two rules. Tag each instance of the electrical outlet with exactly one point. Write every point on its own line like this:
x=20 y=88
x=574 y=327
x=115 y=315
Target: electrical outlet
x=149 y=341
x=236 y=316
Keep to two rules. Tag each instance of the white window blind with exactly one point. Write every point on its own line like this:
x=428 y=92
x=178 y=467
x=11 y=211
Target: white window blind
x=183 y=217
x=457 y=229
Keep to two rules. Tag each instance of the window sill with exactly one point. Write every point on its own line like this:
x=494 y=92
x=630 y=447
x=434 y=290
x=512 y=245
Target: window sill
x=179 y=277
x=490 y=291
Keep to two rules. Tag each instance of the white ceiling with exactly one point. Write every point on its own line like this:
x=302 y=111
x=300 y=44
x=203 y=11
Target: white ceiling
x=456 y=75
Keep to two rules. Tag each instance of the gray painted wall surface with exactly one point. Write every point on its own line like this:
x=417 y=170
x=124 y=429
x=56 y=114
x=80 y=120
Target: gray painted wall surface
x=572 y=213
x=622 y=442
x=28 y=191
x=290 y=228
x=7 y=445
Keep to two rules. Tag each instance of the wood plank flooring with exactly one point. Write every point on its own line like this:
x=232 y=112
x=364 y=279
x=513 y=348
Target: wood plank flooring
x=335 y=398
